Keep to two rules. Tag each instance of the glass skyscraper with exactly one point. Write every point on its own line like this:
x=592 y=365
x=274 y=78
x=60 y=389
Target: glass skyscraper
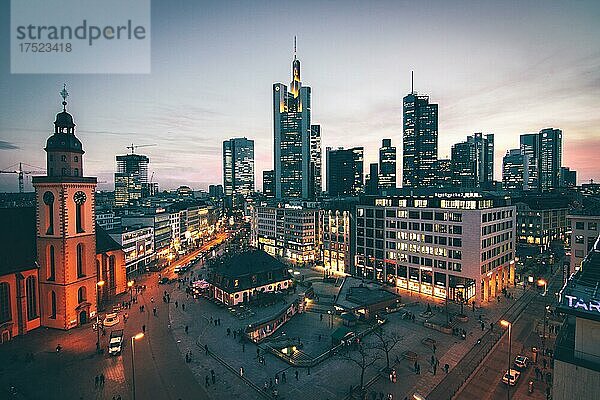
x=297 y=163
x=420 y=141
x=238 y=169
x=387 y=165
x=344 y=171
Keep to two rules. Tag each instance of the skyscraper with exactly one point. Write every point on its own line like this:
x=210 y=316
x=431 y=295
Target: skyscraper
x=295 y=161
x=420 y=141
x=344 y=171
x=372 y=181
x=550 y=158
x=473 y=161
x=315 y=158
x=387 y=165
x=568 y=177
x=529 y=147
x=515 y=170
x=269 y=183
x=238 y=170
x=131 y=179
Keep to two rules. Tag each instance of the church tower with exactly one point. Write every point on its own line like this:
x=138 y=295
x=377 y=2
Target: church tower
x=66 y=239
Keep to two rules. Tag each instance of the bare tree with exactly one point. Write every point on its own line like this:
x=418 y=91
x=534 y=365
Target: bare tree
x=387 y=342
x=364 y=357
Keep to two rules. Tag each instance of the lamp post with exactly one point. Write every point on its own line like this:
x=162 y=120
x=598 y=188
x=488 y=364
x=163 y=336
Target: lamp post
x=544 y=283
x=509 y=326
x=130 y=286
x=330 y=318
x=133 y=339
x=546 y=310
x=98 y=285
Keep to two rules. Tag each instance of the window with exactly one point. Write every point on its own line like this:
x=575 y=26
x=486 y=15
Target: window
x=579 y=225
x=579 y=239
x=76 y=159
x=81 y=294
x=49 y=202
x=5 y=312
x=63 y=158
x=79 y=198
x=76 y=172
x=51 y=263
x=31 y=292
x=112 y=282
x=80 y=261
x=52 y=305
x=592 y=226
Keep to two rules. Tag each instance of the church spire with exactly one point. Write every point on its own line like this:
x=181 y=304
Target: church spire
x=64 y=94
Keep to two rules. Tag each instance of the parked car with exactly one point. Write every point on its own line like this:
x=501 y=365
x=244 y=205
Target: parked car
x=511 y=377
x=521 y=362
x=177 y=269
x=111 y=319
x=116 y=342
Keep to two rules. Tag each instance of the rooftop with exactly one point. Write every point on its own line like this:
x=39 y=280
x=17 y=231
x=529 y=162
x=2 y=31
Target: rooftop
x=249 y=262
x=581 y=294
x=355 y=293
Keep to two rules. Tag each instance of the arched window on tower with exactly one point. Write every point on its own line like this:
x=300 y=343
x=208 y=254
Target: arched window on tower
x=51 y=263
x=63 y=158
x=49 y=202
x=80 y=261
x=79 y=198
x=76 y=172
x=31 y=292
x=81 y=294
x=5 y=312
x=52 y=305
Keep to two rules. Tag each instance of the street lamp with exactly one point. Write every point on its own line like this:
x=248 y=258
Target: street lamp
x=330 y=318
x=130 y=286
x=542 y=282
x=545 y=320
x=133 y=339
x=508 y=325
x=98 y=285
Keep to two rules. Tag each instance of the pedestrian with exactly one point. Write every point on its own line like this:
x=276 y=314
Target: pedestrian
x=241 y=371
x=283 y=377
x=228 y=331
x=213 y=377
x=277 y=379
x=321 y=317
x=415 y=365
x=186 y=329
x=243 y=347
x=206 y=384
x=492 y=326
x=102 y=379
x=151 y=299
x=432 y=360
x=182 y=307
x=434 y=368
x=446 y=368
x=176 y=304
x=296 y=373
x=206 y=349
x=434 y=349
x=154 y=311
x=144 y=328
x=96 y=380
x=482 y=326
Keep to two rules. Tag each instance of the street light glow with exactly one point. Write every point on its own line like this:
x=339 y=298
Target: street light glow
x=505 y=323
x=138 y=336
x=541 y=282
x=100 y=283
x=130 y=283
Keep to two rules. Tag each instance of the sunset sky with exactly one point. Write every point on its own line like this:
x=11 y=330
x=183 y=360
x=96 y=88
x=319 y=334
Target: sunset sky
x=494 y=67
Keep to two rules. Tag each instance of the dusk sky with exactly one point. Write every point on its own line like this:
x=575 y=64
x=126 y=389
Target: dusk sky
x=504 y=68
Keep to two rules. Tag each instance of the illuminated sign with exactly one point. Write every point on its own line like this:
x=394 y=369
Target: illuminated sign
x=579 y=303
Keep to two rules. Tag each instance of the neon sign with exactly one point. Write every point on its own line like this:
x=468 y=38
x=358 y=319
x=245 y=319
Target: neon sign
x=576 y=302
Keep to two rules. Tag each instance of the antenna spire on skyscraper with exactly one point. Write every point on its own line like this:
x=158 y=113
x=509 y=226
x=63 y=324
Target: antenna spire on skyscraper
x=294 y=47
x=412 y=82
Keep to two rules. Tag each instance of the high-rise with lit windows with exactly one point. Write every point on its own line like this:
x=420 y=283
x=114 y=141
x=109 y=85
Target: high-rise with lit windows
x=297 y=151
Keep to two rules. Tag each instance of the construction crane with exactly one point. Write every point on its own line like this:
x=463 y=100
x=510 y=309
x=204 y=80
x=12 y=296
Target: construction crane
x=137 y=146
x=20 y=172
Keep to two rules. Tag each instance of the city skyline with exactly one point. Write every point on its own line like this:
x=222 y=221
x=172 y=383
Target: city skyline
x=357 y=93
